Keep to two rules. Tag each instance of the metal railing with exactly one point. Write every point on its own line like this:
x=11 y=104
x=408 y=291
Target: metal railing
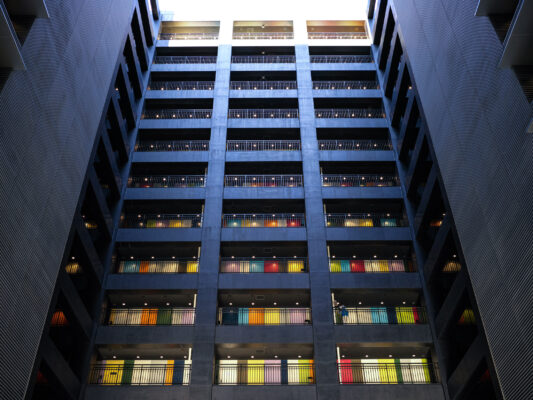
x=167 y=181
x=263 y=145
x=365 y=180
x=274 y=373
x=173 y=145
x=266 y=59
x=162 y=221
x=337 y=35
x=264 y=316
x=263 y=113
x=262 y=35
x=380 y=316
x=345 y=85
x=350 y=113
x=151 y=316
x=188 y=36
x=370 y=266
x=181 y=85
x=177 y=113
x=263 y=265
x=263 y=85
x=152 y=266
x=140 y=374
x=263 y=180
x=341 y=59
x=185 y=59
x=393 y=372
x=263 y=220
x=354 y=145
x=365 y=220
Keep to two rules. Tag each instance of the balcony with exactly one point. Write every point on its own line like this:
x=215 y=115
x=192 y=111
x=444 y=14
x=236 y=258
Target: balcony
x=167 y=181
x=263 y=145
x=262 y=35
x=173 y=145
x=140 y=372
x=345 y=85
x=364 y=220
x=263 y=59
x=151 y=316
x=188 y=36
x=185 y=59
x=387 y=371
x=263 y=265
x=369 y=266
x=353 y=145
x=350 y=113
x=337 y=35
x=263 y=113
x=177 y=113
x=263 y=181
x=141 y=221
x=263 y=85
x=265 y=372
x=264 y=316
x=172 y=265
x=181 y=85
x=341 y=59
x=263 y=220
x=380 y=316
x=359 y=180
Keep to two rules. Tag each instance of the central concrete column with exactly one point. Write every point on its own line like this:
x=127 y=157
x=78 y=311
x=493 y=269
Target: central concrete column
x=324 y=341
x=203 y=354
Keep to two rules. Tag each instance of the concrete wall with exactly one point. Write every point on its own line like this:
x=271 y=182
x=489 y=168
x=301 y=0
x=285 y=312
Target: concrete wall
x=477 y=116
x=49 y=115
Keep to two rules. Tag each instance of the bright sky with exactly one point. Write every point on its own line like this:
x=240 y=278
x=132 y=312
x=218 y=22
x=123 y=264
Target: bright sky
x=218 y=10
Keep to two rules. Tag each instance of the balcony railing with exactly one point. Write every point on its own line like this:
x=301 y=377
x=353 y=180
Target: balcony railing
x=263 y=85
x=188 y=36
x=263 y=113
x=368 y=220
x=337 y=35
x=263 y=220
x=387 y=371
x=262 y=35
x=267 y=59
x=271 y=181
x=167 y=181
x=169 y=266
x=366 y=180
x=354 y=145
x=151 y=316
x=177 y=114
x=263 y=265
x=264 y=316
x=350 y=113
x=173 y=145
x=341 y=59
x=162 y=221
x=185 y=59
x=370 y=266
x=140 y=372
x=265 y=372
x=263 y=145
x=380 y=316
x=181 y=85
x=345 y=85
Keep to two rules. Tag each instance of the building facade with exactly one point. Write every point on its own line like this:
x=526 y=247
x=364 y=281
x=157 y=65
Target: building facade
x=253 y=208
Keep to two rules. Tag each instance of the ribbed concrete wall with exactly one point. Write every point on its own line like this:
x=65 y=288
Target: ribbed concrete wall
x=48 y=120
x=477 y=115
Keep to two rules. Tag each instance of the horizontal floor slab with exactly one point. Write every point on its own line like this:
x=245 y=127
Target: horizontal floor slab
x=159 y=235
x=264 y=334
x=144 y=334
x=263 y=281
x=263 y=234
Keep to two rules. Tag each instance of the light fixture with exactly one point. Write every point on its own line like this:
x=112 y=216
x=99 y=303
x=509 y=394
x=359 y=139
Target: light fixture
x=131 y=258
x=414 y=355
x=403 y=302
x=381 y=303
x=123 y=304
x=114 y=356
x=190 y=304
x=73 y=257
x=299 y=356
x=275 y=356
x=396 y=256
x=343 y=356
x=366 y=355
x=360 y=302
x=229 y=356
x=230 y=304
x=145 y=304
x=297 y=303
x=185 y=357
x=253 y=304
x=252 y=356
x=160 y=356
x=275 y=303
x=390 y=355
x=138 y=357
x=168 y=303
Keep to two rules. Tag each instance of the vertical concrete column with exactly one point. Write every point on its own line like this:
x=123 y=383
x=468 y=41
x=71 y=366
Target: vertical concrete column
x=204 y=329
x=324 y=341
